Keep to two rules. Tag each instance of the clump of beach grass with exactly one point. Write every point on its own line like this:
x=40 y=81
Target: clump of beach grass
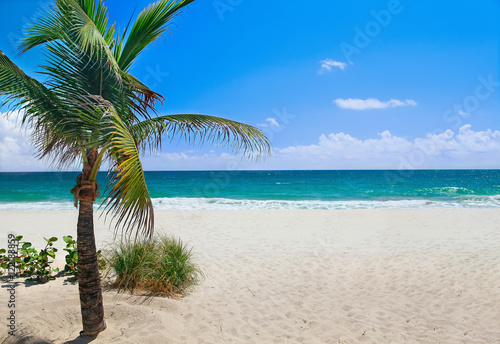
x=162 y=265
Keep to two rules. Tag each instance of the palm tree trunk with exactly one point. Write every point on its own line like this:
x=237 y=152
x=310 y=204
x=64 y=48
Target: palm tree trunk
x=89 y=280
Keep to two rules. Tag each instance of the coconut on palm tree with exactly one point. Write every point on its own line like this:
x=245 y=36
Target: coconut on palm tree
x=90 y=110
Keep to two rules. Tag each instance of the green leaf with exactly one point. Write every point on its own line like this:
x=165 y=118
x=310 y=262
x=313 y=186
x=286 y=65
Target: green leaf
x=51 y=254
x=148 y=26
x=220 y=131
x=51 y=239
x=128 y=198
x=26 y=245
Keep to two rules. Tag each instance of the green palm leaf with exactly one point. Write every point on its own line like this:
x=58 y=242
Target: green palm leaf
x=22 y=90
x=149 y=25
x=44 y=28
x=75 y=21
x=128 y=198
x=98 y=14
x=220 y=131
x=41 y=109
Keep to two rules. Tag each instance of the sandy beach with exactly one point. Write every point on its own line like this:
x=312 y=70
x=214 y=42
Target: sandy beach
x=290 y=276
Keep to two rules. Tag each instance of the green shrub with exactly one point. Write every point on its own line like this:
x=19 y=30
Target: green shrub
x=160 y=266
x=4 y=261
x=27 y=261
x=30 y=262
x=71 y=257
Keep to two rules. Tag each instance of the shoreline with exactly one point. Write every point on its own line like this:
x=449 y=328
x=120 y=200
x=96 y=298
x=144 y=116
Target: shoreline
x=294 y=276
x=216 y=204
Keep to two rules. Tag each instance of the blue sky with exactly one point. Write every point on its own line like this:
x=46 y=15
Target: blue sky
x=338 y=85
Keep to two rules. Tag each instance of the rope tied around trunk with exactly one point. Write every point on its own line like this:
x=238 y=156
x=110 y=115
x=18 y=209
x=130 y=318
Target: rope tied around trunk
x=85 y=190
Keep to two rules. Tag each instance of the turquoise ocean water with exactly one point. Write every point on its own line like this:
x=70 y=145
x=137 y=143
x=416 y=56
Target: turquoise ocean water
x=275 y=189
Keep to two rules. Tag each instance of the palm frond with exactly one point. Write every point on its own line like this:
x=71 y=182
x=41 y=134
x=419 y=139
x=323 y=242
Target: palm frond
x=16 y=85
x=118 y=46
x=98 y=13
x=61 y=120
x=89 y=36
x=40 y=105
x=220 y=131
x=149 y=25
x=81 y=22
x=143 y=96
x=45 y=27
x=128 y=198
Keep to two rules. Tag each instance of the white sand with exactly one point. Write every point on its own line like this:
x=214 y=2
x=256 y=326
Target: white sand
x=308 y=276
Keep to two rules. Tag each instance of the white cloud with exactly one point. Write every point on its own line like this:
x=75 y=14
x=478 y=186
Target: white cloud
x=465 y=148
x=371 y=103
x=16 y=152
x=462 y=148
x=272 y=122
x=328 y=65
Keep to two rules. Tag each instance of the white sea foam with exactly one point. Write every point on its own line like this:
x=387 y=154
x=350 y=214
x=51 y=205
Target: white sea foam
x=231 y=204
x=185 y=203
x=450 y=190
x=36 y=206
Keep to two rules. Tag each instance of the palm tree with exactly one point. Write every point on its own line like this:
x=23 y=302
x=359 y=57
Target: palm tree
x=90 y=110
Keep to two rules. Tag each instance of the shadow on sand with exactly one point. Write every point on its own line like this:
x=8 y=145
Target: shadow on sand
x=24 y=337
